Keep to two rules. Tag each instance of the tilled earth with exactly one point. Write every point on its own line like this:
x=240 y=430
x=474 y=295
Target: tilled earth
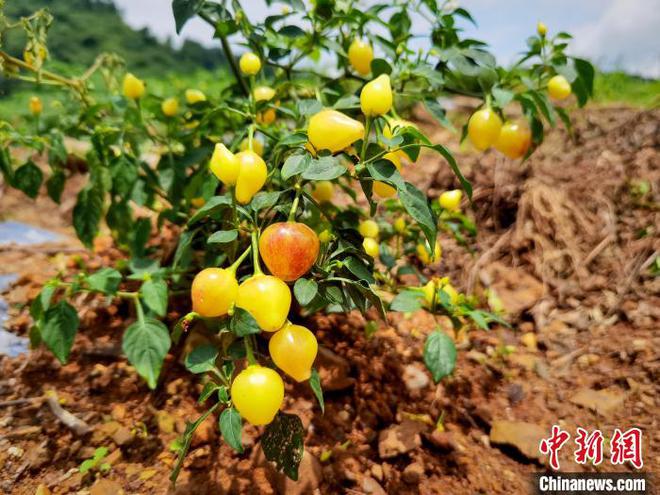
x=566 y=244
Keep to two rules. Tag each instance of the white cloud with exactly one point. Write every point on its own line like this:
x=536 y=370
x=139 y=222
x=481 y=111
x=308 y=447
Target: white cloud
x=624 y=36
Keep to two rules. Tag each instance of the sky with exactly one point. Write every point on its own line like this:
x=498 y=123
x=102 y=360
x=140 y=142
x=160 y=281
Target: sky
x=615 y=34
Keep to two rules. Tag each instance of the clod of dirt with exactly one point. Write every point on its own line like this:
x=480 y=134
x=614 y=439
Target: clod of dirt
x=413 y=473
x=415 y=378
x=444 y=440
x=524 y=437
x=604 y=402
x=122 y=436
x=38 y=456
x=516 y=289
x=400 y=439
x=334 y=370
x=106 y=487
x=310 y=475
x=372 y=487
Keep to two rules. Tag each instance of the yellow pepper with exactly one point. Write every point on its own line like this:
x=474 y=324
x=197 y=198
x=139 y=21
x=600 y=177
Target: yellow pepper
x=360 y=55
x=170 y=107
x=484 y=128
x=194 y=96
x=250 y=64
x=514 y=140
x=252 y=176
x=224 y=165
x=376 y=97
x=334 y=131
x=35 y=105
x=293 y=349
x=257 y=393
x=133 y=87
x=559 y=88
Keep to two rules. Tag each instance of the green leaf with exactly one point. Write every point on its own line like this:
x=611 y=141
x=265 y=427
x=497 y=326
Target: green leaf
x=222 y=237
x=185 y=440
x=380 y=66
x=417 y=206
x=28 y=178
x=106 y=280
x=315 y=383
x=184 y=10
x=154 y=294
x=502 y=97
x=305 y=290
x=183 y=254
x=282 y=443
x=146 y=344
x=214 y=204
x=41 y=303
x=201 y=359
x=87 y=213
x=439 y=355
x=454 y=167
x=385 y=170
x=55 y=185
x=230 y=428
x=324 y=168
x=309 y=107
x=207 y=391
x=358 y=268
x=242 y=323
x=407 y=301
x=59 y=329
x=265 y=199
x=438 y=113
x=295 y=165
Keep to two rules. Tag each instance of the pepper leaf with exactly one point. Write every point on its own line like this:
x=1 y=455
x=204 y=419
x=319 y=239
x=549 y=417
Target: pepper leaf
x=282 y=443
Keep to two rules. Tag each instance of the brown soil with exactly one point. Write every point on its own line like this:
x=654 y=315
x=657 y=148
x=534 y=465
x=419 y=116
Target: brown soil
x=564 y=243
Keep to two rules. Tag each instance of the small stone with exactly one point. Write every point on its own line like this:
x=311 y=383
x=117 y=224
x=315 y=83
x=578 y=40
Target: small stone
x=106 y=487
x=415 y=378
x=118 y=412
x=413 y=473
x=529 y=340
x=640 y=345
x=310 y=475
x=148 y=474
x=371 y=486
x=15 y=452
x=113 y=457
x=205 y=432
x=443 y=440
x=122 y=436
x=377 y=471
x=42 y=490
x=516 y=289
x=334 y=370
x=603 y=402
x=165 y=421
x=525 y=437
x=38 y=456
x=399 y=439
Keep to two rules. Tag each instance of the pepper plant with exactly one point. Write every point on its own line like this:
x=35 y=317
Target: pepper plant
x=283 y=188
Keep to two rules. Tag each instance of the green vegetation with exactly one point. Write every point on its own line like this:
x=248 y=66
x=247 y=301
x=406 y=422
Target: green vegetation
x=85 y=28
x=619 y=87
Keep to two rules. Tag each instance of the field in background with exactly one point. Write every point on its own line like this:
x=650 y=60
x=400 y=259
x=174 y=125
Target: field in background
x=610 y=88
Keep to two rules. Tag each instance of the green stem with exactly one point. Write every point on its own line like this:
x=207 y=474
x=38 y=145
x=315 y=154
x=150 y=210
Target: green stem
x=250 y=137
x=226 y=47
x=249 y=351
x=365 y=141
x=296 y=200
x=240 y=259
x=255 y=253
x=139 y=310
